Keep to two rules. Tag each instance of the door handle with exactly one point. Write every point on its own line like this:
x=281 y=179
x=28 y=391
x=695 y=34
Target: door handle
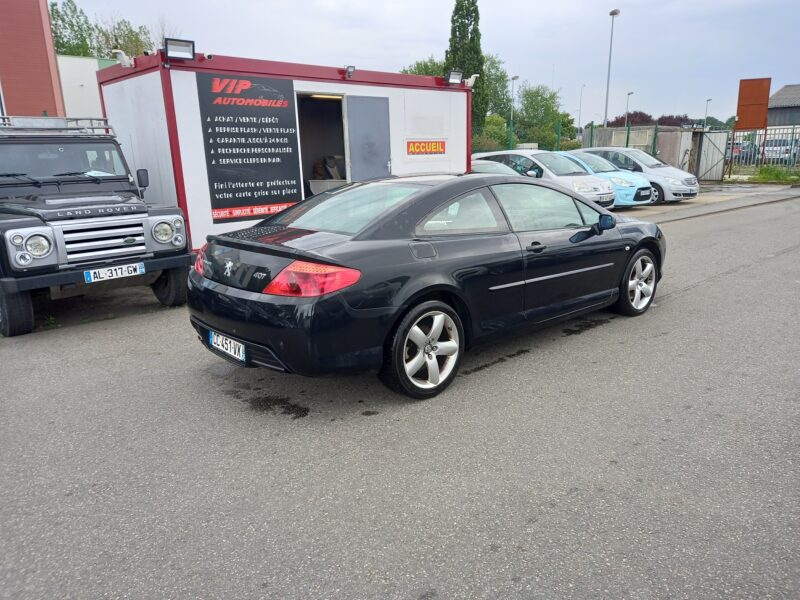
x=537 y=247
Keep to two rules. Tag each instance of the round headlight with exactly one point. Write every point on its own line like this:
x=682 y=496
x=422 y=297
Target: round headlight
x=17 y=239
x=177 y=241
x=38 y=245
x=163 y=232
x=177 y=223
x=24 y=259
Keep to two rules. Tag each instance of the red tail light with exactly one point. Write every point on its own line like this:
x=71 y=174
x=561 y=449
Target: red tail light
x=199 y=265
x=307 y=279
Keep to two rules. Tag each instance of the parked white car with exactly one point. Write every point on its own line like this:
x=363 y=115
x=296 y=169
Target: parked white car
x=556 y=168
x=669 y=184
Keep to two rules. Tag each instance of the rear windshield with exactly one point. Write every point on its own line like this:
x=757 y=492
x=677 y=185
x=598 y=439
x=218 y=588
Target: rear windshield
x=597 y=163
x=346 y=210
x=560 y=165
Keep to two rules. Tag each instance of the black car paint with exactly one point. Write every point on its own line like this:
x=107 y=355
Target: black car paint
x=347 y=330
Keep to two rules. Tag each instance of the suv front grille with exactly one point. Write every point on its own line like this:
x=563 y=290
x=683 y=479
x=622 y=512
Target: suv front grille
x=86 y=242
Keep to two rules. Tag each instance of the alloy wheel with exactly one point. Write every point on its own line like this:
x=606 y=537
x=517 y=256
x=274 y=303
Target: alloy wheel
x=641 y=282
x=430 y=352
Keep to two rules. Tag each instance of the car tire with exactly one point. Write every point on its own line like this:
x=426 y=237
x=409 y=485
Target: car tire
x=658 y=192
x=16 y=314
x=638 y=286
x=417 y=362
x=171 y=288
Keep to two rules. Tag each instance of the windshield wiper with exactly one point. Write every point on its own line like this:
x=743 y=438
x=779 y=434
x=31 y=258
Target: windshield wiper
x=23 y=177
x=93 y=178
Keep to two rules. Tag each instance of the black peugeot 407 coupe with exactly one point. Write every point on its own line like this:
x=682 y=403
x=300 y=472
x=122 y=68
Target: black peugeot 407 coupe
x=401 y=275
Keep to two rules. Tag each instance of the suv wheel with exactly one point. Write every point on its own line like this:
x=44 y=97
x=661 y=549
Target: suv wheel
x=16 y=314
x=171 y=288
x=424 y=353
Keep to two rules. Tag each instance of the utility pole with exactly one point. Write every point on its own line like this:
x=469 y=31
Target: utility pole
x=580 y=105
x=627 y=101
x=612 y=14
x=705 y=117
x=511 y=123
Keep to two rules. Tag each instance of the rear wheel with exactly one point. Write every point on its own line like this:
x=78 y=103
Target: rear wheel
x=171 y=288
x=16 y=314
x=424 y=352
x=638 y=286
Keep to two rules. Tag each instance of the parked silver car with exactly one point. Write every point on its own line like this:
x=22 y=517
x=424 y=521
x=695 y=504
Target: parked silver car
x=557 y=169
x=669 y=184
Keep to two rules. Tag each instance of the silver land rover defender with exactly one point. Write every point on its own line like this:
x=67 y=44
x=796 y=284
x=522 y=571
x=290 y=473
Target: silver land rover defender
x=73 y=220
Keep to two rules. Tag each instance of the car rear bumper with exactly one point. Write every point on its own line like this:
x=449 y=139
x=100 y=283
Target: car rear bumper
x=10 y=285
x=307 y=336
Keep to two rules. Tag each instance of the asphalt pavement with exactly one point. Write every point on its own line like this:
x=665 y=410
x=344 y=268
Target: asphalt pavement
x=605 y=457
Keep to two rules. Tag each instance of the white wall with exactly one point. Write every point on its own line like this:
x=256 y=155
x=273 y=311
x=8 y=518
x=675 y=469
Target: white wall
x=135 y=109
x=413 y=115
x=78 y=75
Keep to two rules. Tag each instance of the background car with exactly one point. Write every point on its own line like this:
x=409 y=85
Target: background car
x=553 y=167
x=630 y=189
x=489 y=167
x=669 y=184
x=781 y=151
x=402 y=275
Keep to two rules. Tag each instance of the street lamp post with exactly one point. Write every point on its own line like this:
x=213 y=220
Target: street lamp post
x=705 y=117
x=627 y=101
x=612 y=14
x=511 y=122
x=580 y=105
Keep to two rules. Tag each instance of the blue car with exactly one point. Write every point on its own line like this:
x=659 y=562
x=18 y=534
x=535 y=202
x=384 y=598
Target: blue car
x=631 y=189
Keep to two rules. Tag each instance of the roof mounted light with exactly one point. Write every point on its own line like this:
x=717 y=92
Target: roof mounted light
x=179 y=49
x=455 y=77
x=349 y=70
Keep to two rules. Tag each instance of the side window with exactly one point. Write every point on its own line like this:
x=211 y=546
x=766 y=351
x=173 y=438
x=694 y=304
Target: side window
x=501 y=158
x=590 y=215
x=536 y=208
x=471 y=213
x=621 y=160
x=520 y=164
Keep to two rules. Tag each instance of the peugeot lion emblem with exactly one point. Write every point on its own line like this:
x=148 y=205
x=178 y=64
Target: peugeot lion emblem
x=228 y=268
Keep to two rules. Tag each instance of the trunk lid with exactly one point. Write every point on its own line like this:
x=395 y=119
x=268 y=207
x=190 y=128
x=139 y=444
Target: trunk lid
x=250 y=258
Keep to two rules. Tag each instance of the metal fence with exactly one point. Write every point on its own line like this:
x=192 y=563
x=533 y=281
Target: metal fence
x=776 y=146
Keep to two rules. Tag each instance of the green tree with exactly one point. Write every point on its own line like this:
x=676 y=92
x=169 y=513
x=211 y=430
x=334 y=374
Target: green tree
x=73 y=33
x=730 y=122
x=428 y=66
x=495 y=85
x=464 y=54
x=121 y=35
x=538 y=115
x=567 y=126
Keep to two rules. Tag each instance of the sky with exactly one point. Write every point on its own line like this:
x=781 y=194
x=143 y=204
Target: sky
x=672 y=54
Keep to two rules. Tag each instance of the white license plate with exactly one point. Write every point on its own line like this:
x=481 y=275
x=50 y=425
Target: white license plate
x=226 y=345
x=116 y=272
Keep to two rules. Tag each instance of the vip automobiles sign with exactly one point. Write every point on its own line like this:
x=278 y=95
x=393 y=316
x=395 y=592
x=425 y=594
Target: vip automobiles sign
x=251 y=145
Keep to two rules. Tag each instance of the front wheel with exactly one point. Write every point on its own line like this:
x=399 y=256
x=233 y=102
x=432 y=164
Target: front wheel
x=16 y=314
x=638 y=286
x=658 y=194
x=171 y=288
x=424 y=352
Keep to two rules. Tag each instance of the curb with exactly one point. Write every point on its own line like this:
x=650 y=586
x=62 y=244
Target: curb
x=719 y=207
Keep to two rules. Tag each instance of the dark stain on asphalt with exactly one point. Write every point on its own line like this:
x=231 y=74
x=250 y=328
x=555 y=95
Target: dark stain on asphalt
x=267 y=403
x=581 y=325
x=369 y=413
x=494 y=547
x=496 y=361
x=429 y=595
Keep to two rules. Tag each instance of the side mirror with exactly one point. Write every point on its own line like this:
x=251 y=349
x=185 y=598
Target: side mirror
x=535 y=174
x=606 y=222
x=142 y=178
